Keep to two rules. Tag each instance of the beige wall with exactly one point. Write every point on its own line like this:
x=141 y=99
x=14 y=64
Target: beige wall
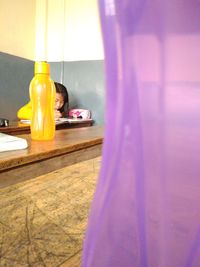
x=17 y=27
x=52 y=30
x=83 y=33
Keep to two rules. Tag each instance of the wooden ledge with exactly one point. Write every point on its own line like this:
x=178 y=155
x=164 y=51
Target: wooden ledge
x=18 y=128
x=68 y=147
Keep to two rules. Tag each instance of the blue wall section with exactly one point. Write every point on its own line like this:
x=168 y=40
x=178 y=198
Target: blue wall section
x=84 y=80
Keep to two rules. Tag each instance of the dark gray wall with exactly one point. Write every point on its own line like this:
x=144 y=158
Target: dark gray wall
x=15 y=76
x=84 y=81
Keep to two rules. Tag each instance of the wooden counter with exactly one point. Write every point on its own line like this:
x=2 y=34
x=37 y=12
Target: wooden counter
x=16 y=127
x=68 y=147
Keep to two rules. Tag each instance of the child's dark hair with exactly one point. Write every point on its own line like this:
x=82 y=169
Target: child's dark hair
x=61 y=89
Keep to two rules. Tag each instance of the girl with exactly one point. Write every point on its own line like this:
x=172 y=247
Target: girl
x=61 y=101
x=61 y=104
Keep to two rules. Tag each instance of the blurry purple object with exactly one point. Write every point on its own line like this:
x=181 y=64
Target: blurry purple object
x=146 y=208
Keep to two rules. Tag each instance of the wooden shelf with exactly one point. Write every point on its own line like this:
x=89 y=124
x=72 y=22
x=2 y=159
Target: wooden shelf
x=18 y=128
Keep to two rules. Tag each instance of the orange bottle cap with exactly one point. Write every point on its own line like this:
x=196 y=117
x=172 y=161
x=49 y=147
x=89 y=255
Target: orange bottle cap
x=42 y=67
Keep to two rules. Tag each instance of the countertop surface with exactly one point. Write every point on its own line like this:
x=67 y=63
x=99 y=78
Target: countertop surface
x=65 y=141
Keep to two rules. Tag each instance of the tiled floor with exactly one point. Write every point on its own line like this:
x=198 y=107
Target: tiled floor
x=42 y=221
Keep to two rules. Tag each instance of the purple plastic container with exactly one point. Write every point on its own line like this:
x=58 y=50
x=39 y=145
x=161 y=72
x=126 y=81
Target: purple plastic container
x=146 y=209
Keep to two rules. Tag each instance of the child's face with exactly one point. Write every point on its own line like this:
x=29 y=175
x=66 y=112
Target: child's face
x=59 y=102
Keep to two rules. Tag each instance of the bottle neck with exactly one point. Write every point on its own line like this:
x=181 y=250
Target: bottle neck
x=47 y=74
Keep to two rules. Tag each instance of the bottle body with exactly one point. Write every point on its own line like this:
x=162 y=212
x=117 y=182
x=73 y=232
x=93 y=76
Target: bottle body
x=42 y=95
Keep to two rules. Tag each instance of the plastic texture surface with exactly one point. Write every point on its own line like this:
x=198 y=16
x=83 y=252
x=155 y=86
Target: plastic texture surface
x=146 y=208
x=42 y=96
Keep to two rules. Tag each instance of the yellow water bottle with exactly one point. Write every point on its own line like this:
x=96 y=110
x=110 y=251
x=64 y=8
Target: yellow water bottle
x=42 y=95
